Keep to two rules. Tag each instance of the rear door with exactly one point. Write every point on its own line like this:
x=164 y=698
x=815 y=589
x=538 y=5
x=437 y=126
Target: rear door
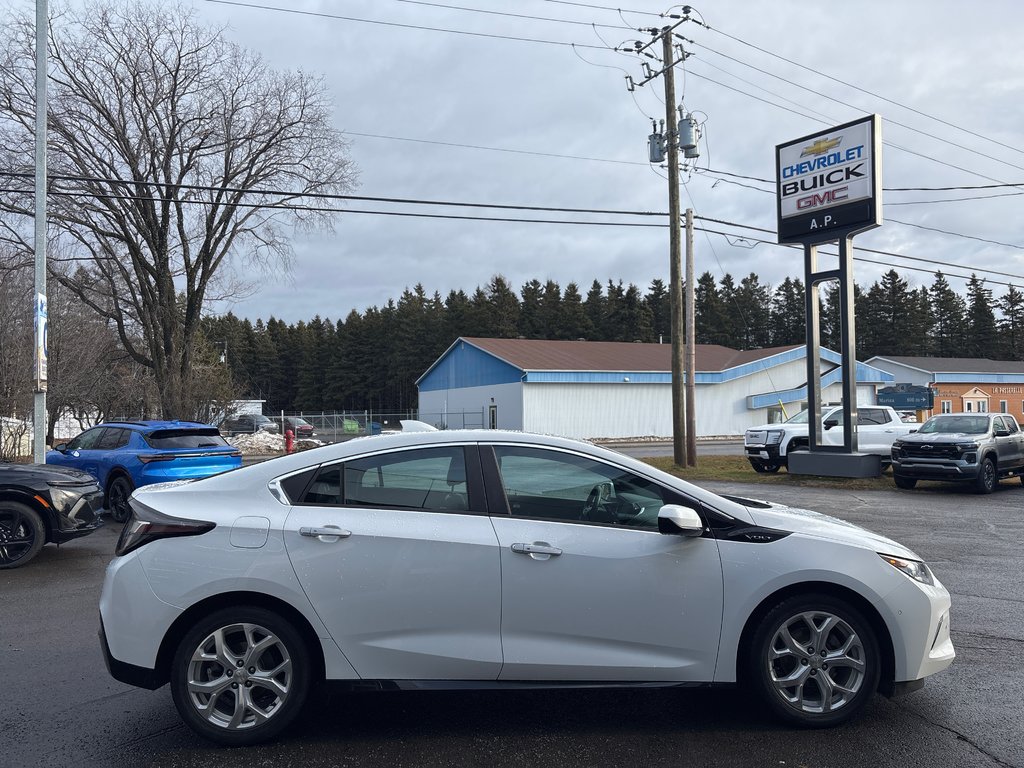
x=399 y=559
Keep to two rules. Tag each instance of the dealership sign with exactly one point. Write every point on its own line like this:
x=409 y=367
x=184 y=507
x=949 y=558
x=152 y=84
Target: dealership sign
x=829 y=183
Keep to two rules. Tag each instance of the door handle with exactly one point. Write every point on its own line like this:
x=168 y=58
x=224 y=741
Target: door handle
x=331 y=532
x=537 y=548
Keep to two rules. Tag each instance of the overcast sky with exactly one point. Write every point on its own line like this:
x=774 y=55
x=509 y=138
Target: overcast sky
x=958 y=62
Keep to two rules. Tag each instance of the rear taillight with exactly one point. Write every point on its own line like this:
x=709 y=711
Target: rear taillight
x=145 y=459
x=146 y=524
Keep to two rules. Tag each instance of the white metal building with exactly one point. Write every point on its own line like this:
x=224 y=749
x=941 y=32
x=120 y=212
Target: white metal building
x=594 y=389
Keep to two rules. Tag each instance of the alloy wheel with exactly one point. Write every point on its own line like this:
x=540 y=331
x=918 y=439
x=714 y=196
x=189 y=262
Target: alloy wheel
x=239 y=676
x=816 y=662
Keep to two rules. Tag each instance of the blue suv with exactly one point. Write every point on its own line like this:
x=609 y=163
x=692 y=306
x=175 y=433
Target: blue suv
x=123 y=455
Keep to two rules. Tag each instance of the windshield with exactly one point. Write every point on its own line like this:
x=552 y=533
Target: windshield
x=186 y=438
x=950 y=425
x=801 y=418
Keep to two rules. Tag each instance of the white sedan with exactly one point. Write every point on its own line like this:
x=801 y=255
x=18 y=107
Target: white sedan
x=487 y=559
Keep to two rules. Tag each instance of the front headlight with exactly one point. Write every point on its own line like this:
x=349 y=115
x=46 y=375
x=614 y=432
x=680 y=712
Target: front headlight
x=774 y=438
x=915 y=569
x=64 y=499
x=967 y=446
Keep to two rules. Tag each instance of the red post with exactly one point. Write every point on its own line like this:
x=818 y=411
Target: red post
x=289 y=441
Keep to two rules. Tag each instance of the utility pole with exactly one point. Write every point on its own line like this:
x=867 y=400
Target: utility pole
x=675 y=278
x=39 y=420
x=691 y=350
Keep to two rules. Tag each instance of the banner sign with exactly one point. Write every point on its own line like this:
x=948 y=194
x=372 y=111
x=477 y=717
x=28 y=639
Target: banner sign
x=42 y=329
x=829 y=183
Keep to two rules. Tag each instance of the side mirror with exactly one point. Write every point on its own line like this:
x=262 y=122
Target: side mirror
x=676 y=520
x=60 y=447
x=1002 y=433
x=829 y=423
x=913 y=431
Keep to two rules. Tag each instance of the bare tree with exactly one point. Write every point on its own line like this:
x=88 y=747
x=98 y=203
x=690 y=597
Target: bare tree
x=177 y=159
x=16 y=345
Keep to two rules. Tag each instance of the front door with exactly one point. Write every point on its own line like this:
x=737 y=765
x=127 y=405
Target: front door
x=590 y=589
x=409 y=586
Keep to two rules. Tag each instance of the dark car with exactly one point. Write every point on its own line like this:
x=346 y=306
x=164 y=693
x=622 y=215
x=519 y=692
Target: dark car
x=299 y=427
x=127 y=454
x=249 y=423
x=976 y=448
x=40 y=504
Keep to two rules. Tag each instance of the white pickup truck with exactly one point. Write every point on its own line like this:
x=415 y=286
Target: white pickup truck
x=768 y=446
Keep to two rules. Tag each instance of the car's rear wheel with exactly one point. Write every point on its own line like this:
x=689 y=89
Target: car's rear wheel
x=815 y=661
x=907 y=483
x=118 y=492
x=22 y=534
x=240 y=676
x=987 y=477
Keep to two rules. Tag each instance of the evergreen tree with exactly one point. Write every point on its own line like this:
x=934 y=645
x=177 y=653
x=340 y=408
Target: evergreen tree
x=504 y=309
x=788 y=313
x=1011 y=325
x=982 y=340
x=949 y=320
x=573 y=320
x=660 y=305
x=707 y=311
x=755 y=299
x=594 y=307
x=530 y=310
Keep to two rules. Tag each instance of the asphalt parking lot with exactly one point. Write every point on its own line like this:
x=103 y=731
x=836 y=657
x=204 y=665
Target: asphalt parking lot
x=62 y=709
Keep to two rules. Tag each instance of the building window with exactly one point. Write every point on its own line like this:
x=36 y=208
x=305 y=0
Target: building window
x=982 y=406
x=1003 y=407
x=947 y=406
x=970 y=406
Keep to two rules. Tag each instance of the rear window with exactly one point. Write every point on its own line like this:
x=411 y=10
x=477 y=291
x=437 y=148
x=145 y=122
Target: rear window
x=208 y=437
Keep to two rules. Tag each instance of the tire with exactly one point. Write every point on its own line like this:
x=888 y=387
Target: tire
x=118 y=491
x=987 y=479
x=22 y=534
x=906 y=483
x=764 y=467
x=798 y=674
x=271 y=683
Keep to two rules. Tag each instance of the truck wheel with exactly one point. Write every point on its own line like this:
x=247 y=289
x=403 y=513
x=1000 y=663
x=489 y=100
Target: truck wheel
x=763 y=467
x=906 y=483
x=987 y=477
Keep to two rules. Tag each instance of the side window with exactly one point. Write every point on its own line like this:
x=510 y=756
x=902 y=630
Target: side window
x=428 y=478
x=86 y=440
x=431 y=479
x=1011 y=424
x=551 y=485
x=872 y=416
x=109 y=440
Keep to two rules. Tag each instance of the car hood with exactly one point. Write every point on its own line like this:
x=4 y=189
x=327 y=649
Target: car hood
x=941 y=437
x=810 y=523
x=45 y=473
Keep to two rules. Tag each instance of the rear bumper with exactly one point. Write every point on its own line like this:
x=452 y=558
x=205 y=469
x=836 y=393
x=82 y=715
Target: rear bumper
x=140 y=677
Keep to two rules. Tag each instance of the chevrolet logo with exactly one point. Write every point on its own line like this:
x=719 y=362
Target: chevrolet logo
x=927 y=447
x=821 y=146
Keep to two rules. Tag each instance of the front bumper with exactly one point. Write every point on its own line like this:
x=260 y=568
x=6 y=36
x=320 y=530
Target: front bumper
x=955 y=470
x=84 y=517
x=763 y=452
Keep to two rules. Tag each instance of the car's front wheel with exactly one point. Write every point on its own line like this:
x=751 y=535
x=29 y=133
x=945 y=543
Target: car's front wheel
x=765 y=467
x=815 y=661
x=906 y=483
x=240 y=676
x=22 y=534
x=118 y=492
x=987 y=477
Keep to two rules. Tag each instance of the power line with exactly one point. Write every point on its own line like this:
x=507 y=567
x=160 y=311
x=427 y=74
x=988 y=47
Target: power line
x=865 y=91
x=339 y=17
x=414 y=201
x=514 y=15
x=853 y=106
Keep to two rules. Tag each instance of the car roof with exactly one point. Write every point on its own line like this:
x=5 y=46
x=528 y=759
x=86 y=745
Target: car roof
x=151 y=425
x=264 y=472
